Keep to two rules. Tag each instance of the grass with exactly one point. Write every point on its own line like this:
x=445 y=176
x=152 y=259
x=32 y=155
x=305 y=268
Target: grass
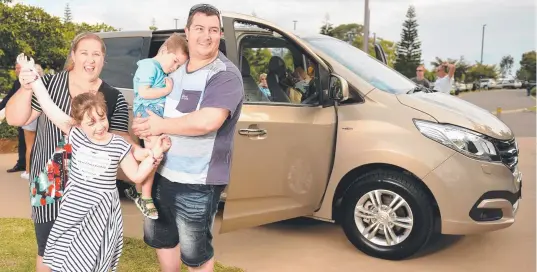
x=18 y=250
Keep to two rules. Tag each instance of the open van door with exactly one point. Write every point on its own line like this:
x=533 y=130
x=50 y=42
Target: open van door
x=282 y=151
x=379 y=53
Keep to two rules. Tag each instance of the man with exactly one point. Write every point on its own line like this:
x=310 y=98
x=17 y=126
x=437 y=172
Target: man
x=200 y=116
x=420 y=77
x=21 y=162
x=444 y=80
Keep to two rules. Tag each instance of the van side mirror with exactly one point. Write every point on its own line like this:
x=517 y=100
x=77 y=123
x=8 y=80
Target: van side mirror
x=339 y=88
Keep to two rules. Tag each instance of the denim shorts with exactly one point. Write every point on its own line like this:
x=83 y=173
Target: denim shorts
x=186 y=217
x=157 y=109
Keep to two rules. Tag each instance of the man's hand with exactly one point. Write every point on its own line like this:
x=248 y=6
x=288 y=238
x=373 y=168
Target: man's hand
x=145 y=127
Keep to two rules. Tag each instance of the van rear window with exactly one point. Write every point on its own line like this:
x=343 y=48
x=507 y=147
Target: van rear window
x=122 y=54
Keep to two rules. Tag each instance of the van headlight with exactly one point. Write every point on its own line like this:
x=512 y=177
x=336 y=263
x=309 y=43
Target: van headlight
x=467 y=142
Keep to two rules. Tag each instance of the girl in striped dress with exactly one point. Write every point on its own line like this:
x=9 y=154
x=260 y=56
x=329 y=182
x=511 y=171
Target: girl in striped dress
x=88 y=232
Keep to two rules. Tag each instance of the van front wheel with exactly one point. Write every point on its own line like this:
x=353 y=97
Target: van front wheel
x=387 y=215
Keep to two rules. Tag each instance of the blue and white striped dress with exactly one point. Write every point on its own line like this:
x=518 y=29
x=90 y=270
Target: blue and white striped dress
x=88 y=232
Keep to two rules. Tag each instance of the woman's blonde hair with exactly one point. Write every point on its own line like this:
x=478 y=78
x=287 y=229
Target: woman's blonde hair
x=74 y=46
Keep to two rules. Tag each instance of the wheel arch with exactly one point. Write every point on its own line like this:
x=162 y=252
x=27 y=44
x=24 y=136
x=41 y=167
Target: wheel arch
x=351 y=178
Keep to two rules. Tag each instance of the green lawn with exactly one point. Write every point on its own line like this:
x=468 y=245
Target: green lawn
x=18 y=250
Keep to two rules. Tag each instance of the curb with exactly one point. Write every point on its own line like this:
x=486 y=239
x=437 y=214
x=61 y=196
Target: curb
x=530 y=109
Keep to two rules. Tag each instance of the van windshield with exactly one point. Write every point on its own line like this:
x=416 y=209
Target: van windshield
x=368 y=68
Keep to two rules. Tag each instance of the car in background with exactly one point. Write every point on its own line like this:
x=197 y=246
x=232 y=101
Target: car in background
x=487 y=83
x=509 y=84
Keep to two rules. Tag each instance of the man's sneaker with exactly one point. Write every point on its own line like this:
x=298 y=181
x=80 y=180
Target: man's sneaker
x=131 y=193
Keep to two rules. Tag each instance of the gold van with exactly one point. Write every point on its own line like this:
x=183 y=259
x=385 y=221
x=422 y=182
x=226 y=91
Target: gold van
x=344 y=138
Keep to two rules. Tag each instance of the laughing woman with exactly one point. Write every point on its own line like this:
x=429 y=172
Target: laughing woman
x=80 y=76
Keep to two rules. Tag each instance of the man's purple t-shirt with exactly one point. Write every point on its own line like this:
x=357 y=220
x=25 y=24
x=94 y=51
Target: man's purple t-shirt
x=203 y=159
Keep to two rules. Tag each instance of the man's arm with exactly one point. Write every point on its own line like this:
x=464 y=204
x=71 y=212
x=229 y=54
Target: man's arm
x=223 y=94
x=452 y=68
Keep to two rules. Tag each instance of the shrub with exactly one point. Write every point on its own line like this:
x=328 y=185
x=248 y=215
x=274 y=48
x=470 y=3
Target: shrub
x=7 y=131
x=532 y=91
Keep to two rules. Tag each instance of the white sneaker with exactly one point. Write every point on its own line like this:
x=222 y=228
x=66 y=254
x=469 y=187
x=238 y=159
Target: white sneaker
x=25 y=175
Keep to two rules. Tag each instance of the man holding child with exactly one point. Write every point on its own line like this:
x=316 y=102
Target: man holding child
x=200 y=116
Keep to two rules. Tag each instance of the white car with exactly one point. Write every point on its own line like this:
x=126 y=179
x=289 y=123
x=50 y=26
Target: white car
x=487 y=83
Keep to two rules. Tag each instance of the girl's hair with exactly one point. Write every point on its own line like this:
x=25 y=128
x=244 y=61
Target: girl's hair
x=86 y=102
x=174 y=43
x=74 y=46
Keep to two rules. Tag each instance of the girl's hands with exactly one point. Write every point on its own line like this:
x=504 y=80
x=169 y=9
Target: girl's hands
x=28 y=73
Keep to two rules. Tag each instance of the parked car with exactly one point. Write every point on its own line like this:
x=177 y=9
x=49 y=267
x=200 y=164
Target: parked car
x=364 y=147
x=509 y=84
x=487 y=83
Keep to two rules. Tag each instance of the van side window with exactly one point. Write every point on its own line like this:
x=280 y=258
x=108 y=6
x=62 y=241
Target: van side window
x=275 y=70
x=122 y=54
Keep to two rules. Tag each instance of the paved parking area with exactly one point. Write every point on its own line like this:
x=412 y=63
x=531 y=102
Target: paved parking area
x=507 y=99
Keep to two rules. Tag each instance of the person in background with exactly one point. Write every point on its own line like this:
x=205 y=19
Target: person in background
x=20 y=165
x=29 y=135
x=444 y=80
x=263 y=85
x=420 y=77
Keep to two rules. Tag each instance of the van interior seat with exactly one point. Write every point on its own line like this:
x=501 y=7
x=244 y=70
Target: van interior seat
x=251 y=89
x=275 y=78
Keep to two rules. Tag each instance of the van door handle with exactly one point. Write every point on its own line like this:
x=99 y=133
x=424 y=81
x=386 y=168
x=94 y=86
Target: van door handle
x=252 y=132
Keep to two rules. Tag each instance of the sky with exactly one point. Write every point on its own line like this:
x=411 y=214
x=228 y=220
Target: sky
x=447 y=28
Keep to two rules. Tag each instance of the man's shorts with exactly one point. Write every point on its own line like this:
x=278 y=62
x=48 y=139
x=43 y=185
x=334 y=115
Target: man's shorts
x=186 y=217
x=31 y=126
x=42 y=231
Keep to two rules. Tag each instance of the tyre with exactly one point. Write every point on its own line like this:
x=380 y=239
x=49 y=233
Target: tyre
x=387 y=215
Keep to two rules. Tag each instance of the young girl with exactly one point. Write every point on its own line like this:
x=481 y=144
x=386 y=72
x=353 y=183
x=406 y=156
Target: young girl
x=88 y=232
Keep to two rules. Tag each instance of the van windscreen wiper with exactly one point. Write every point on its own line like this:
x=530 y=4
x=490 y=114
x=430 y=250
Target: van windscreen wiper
x=420 y=88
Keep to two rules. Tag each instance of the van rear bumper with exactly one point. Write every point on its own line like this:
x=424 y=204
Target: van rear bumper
x=475 y=196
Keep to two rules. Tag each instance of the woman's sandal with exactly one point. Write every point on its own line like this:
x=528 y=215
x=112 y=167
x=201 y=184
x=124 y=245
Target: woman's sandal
x=150 y=213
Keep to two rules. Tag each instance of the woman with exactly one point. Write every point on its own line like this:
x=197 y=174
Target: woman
x=29 y=135
x=81 y=75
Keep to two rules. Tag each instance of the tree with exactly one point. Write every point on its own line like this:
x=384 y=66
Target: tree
x=67 y=15
x=505 y=65
x=327 y=28
x=153 y=25
x=478 y=71
x=409 y=48
x=343 y=31
x=527 y=66
x=30 y=30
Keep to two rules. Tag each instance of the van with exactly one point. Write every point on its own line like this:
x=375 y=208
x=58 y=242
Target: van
x=358 y=145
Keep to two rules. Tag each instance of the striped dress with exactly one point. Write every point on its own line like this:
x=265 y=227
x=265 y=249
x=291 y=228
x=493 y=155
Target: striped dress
x=88 y=232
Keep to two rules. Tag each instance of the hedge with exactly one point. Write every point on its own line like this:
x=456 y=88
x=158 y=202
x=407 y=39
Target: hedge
x=7 y=131
x=532 y=92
